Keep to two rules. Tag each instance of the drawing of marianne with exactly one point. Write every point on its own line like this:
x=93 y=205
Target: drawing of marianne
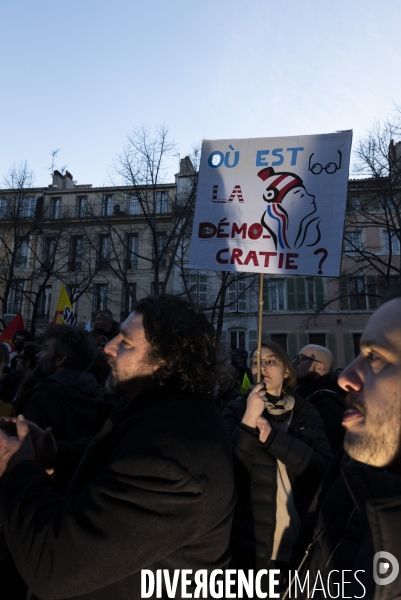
x=290 y=215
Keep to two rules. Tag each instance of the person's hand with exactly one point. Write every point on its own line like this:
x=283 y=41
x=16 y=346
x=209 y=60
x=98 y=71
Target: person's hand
x=44 y=446
x=101 y=341
x=43 y=442
x=264 y=428
x=255 y=405
x=15 y=444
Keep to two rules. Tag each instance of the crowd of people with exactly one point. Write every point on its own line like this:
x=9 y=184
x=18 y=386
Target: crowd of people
x=139 y=447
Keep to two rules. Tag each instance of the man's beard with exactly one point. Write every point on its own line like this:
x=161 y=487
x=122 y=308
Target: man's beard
x=128 y=388
x=44 y=368
x=380 y=447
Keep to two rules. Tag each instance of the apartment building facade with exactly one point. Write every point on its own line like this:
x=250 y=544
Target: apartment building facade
x=112 y=245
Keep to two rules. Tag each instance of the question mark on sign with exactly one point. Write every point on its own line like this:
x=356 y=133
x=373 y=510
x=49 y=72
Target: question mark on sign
x=321 y=261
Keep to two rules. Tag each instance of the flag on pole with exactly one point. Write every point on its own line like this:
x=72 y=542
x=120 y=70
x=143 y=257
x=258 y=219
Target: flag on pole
x=64 y=314
x=7 y=335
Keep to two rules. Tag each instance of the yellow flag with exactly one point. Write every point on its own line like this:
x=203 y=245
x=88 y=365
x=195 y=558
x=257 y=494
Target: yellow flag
x=64 y=314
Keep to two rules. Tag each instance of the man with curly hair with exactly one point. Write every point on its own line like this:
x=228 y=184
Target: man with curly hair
x=154 y=490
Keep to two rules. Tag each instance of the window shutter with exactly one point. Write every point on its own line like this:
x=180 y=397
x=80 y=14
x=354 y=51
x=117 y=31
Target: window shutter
x=344 y=294
x=253 y=339
x=303 y=340
x=231 y=297
x=301 y=296
x=242 y=294
x=266 y=306
x=372 y=292
x=291 y=303
x=348 y=348
x=332 y=346
x=319 y=293
x=292 y=344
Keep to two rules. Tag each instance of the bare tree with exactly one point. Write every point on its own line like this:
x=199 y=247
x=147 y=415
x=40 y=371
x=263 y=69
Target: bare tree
x=144 y=206
x=36 y=249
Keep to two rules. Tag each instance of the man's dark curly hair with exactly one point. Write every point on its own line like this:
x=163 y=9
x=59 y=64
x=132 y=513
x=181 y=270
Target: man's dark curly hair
x=183 y=340
x=75 y=343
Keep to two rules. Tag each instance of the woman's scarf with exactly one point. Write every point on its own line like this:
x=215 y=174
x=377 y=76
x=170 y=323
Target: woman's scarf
x=279 y=407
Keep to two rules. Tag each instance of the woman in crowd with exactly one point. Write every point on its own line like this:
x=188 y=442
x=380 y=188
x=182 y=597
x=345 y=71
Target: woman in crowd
x=280 y=453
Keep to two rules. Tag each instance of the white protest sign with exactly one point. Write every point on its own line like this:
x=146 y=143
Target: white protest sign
x=272 y=205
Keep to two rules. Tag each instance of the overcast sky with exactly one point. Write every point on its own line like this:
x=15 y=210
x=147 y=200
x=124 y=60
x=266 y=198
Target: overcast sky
x=79 y=75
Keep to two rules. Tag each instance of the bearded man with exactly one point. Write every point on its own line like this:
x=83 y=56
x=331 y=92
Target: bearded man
x=358 y=525
x=65 y=399
x=154 y=489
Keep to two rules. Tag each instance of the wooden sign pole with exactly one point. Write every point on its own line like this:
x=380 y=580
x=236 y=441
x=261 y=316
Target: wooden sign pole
x=260 y=323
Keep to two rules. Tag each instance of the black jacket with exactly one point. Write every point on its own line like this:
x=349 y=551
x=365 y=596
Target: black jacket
x=358 y=514
x=155 y=490
x=66 y=401
x=329 y=399
x=304 y=450
x=115 y=330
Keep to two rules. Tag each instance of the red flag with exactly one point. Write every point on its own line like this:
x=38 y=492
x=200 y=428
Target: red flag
x=7 y=336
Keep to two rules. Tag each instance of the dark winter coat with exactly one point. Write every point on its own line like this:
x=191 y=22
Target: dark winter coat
x=329 y=399
x=305 y=452
x=155 y=490
x=115 y=330
x=66 y=402
x=358 y=514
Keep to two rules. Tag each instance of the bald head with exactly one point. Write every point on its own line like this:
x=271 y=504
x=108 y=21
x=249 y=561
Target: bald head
x=319 y=353
x=314 y=361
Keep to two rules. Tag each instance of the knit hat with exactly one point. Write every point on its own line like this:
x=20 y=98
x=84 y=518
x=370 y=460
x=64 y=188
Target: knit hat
x=278 y=184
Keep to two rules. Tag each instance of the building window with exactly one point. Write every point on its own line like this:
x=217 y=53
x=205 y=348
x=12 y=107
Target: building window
x=21 y=255
x=161 y=243
x=49 y=251
x=352 y=204
x=16 y=297
x=153 y=287
x=128 y=300
x=280 y=339
x=237 y=296
x=237 y=339
x=357 y=293
x=356 y=337
x=81 y=206
x=44 y=302
x=108 y=205
x=131 y=251
x=390 y=242
x=55 y=208
x=4 y=208
x=76 y=253
x=352 y=241
x=99 y=297
x=103 y=252
x=134 y=206
x=161 y=203
x=197 y=285
x=317 y=338
x=274 y=294
x=28 y=207
x=293 y=293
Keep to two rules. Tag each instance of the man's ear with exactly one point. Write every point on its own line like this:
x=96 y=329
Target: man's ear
x=321 y=367
x=60 y=360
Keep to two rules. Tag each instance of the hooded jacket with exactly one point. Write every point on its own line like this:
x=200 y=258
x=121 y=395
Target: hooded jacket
x=329 y=399
x=305 y=452
x=66 y=402
x=357 y=514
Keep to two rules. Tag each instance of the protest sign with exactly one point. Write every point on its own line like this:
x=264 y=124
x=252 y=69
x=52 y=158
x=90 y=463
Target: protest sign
x=272 y=205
